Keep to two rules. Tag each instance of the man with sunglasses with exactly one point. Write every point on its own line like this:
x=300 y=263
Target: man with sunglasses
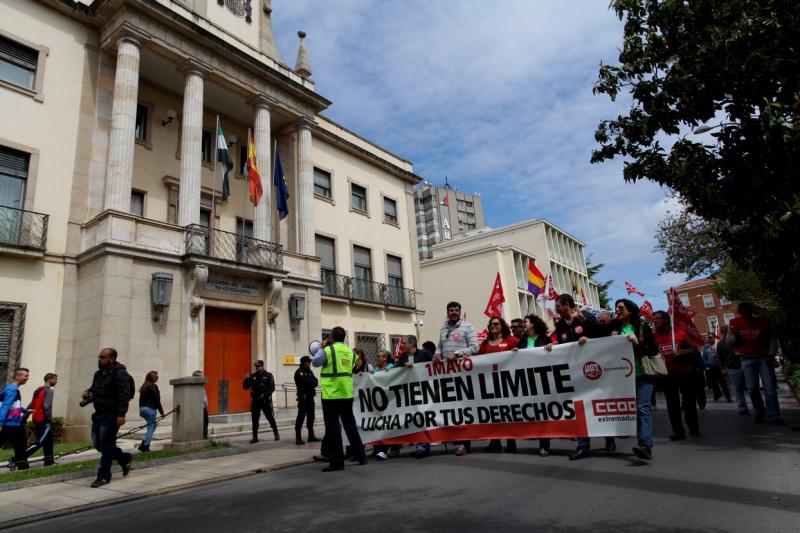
x=457 y=339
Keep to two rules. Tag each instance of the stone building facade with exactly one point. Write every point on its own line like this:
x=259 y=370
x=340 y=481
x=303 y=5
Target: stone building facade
x=113 y=229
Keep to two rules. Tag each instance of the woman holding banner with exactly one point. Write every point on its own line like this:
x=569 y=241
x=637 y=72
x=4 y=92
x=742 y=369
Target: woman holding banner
x=629 y=323
x=535 y=335
x=500 y=339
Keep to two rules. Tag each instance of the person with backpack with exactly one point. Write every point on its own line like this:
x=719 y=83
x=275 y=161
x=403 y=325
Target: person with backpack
x=41 y=407
x=12 y=427
x=111 y=392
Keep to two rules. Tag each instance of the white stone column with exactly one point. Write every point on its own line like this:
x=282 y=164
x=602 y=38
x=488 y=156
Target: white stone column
x=262 y=220
x=191 y=143
x=119 y=173
x=305 y=188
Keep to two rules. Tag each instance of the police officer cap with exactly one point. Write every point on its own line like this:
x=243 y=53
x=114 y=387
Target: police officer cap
x=259 y=363
x=305 y=359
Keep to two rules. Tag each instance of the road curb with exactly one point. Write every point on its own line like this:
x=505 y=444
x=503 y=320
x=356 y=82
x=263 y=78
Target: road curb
x=155 y=492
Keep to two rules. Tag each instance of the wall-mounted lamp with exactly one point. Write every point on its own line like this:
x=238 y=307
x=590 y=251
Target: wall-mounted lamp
x=297 y=307
x=169 y=116
x=231 y=139
x=161 y=293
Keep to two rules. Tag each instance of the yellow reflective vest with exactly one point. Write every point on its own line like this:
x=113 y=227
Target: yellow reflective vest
x=336 y=375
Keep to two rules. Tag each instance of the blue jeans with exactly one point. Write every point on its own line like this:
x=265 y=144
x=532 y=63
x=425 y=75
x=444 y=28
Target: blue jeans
x=104 y=438
x=755 y=367
x=736 y=380
x=644 y=412
x=149 y=415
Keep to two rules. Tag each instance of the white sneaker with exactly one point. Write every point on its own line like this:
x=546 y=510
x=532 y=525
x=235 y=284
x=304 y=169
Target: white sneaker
x=381 y=456
x=543 y=452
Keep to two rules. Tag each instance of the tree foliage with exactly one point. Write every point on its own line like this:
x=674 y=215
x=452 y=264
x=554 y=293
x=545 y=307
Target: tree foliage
x=733 y=66
x=602 y=286
x=691 y=245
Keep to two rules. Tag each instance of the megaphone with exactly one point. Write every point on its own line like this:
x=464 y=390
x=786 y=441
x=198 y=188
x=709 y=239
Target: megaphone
x=314 y=347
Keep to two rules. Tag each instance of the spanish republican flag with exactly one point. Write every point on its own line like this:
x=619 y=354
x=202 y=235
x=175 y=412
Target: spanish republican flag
x=253 y=175
x=535 y=279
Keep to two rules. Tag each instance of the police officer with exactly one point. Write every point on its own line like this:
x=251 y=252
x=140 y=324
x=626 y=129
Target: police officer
x=306 y=383
x=336 y=374
x=261 y=385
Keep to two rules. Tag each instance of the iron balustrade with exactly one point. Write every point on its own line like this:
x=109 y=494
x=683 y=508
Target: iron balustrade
x=25 y=229
x=363 y=290
x=218 y=244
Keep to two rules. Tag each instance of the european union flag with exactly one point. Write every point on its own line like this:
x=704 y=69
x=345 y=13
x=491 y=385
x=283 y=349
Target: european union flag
x=281 y=191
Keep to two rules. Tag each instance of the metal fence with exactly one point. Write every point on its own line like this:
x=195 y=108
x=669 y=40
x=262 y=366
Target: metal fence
x=208 y=242
x=22 y=228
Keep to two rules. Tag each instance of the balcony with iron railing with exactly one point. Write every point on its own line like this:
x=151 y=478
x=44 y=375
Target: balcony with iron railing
x=231 y=247
x=360 y=290
x=23 y=232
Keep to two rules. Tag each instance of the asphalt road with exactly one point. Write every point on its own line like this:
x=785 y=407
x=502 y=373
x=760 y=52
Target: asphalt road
x=737 y=476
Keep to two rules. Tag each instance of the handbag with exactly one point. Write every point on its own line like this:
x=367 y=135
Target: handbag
x=654 y=366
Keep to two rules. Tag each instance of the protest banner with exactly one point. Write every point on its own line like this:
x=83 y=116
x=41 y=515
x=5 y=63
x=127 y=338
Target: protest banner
x=573 y=391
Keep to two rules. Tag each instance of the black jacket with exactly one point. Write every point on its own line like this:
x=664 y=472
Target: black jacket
x=306 y=383
x=261 y=385
x=420 y=356
x=111 y=388
x=151 y=397
x=647 y=341
x=584 y=324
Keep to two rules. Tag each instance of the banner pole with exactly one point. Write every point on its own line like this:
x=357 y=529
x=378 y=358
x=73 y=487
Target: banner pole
x=214 y=178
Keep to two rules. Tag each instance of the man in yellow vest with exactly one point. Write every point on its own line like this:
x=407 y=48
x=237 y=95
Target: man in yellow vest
x=336 y=376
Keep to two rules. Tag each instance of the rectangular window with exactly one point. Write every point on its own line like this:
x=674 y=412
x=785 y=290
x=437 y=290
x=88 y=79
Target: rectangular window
x=362 y=263
x=18 y=63
x=243 y=159
x=684 y=299
x=724 y=300
x=708 y=301
x=207 y=145
x=389 y=210
x=140 y=131
x=322 y=183
x=12 y=327
x=137 y=203
x=728 y=317
x=358 y=196
x=13 y=177
x=370 y=343
x=712 y=323
x=394 y=271
x=326 y=251
x=243 y=241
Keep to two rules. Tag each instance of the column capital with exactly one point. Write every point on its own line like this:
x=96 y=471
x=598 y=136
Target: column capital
x=304 y=122
x=195 y=66
x=262 y=101
x=127 y=32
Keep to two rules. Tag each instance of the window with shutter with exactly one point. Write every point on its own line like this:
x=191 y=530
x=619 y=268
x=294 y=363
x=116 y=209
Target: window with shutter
x=358 y=198
x=389 y=210
x=137 y=203
x=394 y=269
x=12 y=327
x=326 y=251
x=322 y=183
x=362 y=263
x=18 y=63
x=13 y=177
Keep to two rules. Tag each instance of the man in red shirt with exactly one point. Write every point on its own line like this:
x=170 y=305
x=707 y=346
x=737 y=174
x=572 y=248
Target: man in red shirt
x=751 y=337
x=680 y=380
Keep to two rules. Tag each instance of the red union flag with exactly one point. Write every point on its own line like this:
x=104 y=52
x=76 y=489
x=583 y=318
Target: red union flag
x=646 y=310
x=495 y=305
x=552 y=294
x=632 y=290
x=682 y=318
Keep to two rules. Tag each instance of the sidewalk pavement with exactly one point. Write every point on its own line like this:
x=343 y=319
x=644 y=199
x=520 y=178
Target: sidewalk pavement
x=32 y=504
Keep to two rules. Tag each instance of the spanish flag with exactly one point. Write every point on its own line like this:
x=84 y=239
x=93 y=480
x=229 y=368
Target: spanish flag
x=535 y=279
x=253 y=175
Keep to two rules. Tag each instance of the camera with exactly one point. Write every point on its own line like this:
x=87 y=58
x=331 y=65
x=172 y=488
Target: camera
x=86 y=401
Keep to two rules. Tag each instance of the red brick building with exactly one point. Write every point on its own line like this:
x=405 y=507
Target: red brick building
x=699 y=296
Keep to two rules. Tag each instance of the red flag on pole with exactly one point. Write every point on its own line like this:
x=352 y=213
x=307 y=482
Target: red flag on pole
x=633 y=290
x=646 y=310
x=495 y=305
x=682 y=318
x=583 y=297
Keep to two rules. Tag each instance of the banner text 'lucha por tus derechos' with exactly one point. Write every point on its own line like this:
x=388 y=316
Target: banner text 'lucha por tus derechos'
x=572 y=391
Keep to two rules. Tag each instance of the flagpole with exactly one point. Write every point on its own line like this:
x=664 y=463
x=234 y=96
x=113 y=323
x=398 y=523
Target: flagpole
x=244 y=189
x=214 y=179
x=672 y=318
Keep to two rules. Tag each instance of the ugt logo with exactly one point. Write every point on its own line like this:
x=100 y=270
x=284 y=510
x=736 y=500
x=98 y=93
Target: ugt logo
x=592 y=370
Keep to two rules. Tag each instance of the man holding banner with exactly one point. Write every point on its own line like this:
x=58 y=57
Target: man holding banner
x=457 y=339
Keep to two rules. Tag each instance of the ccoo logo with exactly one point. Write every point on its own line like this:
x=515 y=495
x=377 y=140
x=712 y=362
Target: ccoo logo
x=592 y=370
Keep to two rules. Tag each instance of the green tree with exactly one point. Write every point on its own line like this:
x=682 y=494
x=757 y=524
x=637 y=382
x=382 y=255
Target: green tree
x=691 y=245
x=730 y=68
x=602 y=286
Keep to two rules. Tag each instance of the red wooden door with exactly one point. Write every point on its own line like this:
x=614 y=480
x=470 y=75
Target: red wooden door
x=227 y=359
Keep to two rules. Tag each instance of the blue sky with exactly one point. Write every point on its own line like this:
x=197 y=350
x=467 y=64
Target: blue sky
x=498 y=97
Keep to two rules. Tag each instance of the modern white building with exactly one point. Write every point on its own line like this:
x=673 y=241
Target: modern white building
x=443 y=214
x=465 y=269
x=113 y=229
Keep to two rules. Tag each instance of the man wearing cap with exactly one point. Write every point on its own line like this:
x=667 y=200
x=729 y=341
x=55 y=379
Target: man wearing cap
x=261 y=385
x=306 y=383
x=336 y=374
